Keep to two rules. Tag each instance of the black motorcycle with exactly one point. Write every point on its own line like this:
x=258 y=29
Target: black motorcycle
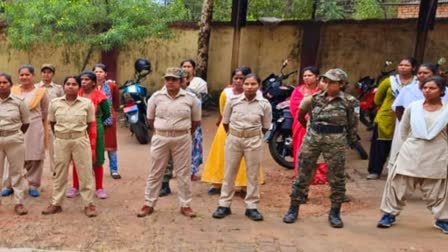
x=279 y=136
x=134 y=99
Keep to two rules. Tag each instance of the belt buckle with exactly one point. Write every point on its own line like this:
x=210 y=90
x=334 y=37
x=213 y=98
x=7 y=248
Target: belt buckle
x=171 y=133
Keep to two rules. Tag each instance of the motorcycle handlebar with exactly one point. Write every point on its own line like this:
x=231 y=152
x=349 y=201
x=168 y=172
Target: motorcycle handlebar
x=286 y=76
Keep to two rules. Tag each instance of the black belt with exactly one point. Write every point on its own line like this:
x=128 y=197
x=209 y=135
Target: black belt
x=327 y=129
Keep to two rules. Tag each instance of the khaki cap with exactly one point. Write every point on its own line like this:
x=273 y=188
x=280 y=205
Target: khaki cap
x=48 y=66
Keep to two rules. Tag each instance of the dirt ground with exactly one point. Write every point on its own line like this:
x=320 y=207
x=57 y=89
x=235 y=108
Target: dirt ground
x=118 y=229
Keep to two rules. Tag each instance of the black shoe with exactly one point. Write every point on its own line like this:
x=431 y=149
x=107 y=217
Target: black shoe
x=165 y=190
x=254 y=215
x=335 y=218
x=292 y=215
x=221 y=212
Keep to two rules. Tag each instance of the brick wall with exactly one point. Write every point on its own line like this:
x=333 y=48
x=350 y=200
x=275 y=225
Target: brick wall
x=411 y=10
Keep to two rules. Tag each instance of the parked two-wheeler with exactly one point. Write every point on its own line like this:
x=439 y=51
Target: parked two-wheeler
x=134 y=102
x=279 y=136
x=366 y=89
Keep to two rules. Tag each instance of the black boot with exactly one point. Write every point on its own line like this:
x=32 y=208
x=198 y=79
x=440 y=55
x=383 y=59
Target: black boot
x=165 y=190
x=335 y=218
x=292 y=214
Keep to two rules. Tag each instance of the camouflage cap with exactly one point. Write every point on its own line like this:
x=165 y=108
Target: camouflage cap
x=336 y=74
x=174 y=72
x=48 y=66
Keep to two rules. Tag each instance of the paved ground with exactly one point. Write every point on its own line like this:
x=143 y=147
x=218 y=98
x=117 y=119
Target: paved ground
x=118 y=228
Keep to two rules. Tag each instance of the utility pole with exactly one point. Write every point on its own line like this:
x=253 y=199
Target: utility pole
x=239 y=13
x=310 y=41
x=426 y=21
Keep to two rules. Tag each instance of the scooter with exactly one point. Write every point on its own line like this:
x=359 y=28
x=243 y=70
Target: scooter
x=134 y=102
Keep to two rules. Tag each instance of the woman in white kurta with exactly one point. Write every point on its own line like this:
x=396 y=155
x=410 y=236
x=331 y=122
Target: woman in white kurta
x=408 y=94
x=423 y=158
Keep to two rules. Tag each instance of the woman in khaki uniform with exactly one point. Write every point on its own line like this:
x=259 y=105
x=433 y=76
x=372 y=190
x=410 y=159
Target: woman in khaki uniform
x=245 y=117
x=36 y=99
x=71 y=117
x=14 y=121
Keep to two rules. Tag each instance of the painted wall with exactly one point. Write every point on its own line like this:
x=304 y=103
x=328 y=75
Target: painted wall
x=360 y=48
x=68 y=61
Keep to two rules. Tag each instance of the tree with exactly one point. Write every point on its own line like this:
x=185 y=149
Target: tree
x=204 y=37
x=368 y=9
x=91 y=24
x=331 y=9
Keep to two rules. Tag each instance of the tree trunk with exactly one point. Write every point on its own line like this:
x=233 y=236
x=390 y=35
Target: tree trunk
x=87 y=58
x=204 y=38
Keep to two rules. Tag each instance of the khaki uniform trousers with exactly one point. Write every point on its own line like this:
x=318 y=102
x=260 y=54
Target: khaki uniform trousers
x=400 y=187
x=235 y=149
x=79 y=151
x=161 y=149
x=12 y=148
x=34 y=170
x=51 y=149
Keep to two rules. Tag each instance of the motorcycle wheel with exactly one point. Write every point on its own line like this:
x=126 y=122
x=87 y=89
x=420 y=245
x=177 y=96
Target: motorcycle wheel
x=141 y=132
x=360 y=150
x=280 y=151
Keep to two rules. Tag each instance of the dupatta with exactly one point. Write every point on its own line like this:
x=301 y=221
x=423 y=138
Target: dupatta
x=418 y=125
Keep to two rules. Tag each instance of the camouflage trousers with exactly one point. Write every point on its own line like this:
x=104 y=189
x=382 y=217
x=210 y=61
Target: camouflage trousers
x=333 y=149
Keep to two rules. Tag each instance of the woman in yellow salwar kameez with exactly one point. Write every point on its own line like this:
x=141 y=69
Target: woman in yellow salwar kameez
x=213 y=171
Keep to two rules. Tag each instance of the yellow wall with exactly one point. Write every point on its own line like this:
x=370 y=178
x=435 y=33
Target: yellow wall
x=360 y=48
x=67 y=61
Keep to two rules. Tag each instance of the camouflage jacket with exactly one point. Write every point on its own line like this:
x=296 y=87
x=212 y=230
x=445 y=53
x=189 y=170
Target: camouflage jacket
x=341 y=111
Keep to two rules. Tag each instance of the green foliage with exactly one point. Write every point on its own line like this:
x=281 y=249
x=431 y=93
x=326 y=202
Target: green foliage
x=222 y=10
x=103 y=24
x=331 y=10
x=368 y=9
x=292 y=9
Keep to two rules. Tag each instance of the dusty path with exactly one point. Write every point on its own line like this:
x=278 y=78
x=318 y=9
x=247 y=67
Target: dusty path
x=117 y=228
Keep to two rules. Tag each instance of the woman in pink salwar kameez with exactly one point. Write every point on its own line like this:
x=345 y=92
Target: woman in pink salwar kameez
x=309 y=87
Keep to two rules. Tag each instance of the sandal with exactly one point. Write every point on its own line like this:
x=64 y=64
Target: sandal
x=115 y=175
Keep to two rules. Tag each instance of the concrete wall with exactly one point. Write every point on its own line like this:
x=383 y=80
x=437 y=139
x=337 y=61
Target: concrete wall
x=262 y=48
x=360 y=48
x=68 y=61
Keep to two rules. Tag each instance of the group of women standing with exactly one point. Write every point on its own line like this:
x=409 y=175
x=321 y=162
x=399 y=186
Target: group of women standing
x=411 y=131
x=91 y=85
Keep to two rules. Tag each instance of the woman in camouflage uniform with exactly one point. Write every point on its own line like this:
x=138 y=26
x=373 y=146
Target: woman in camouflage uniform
x=333 y=120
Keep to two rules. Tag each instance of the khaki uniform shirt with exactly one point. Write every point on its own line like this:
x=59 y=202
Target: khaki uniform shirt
x=53 y=90
x=13 y=113
x=243 y=114
x=71 y=118
x=173 y=114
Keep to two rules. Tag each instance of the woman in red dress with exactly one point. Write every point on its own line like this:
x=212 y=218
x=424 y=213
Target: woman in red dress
x=309 y=87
